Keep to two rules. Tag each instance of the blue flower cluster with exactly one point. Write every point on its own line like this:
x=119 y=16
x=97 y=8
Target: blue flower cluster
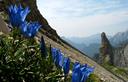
x=60 y=61
x=29 y=29
x=17 y=16
x=80 y=73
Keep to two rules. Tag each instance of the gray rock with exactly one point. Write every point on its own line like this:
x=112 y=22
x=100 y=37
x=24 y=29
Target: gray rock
x=121 y=56
x=3 y=26
x=106 y=50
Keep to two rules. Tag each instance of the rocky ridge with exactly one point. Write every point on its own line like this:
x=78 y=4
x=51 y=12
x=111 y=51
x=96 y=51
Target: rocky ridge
x=106 y=53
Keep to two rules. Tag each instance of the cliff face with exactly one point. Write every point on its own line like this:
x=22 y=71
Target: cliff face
x=106 y=53
x=34 y=15
x=121 y=56
x=117 y=56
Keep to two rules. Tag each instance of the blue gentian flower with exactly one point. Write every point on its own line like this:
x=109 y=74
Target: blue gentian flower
x=76 y=73
x=81 y=72
x=86 y=72
x=61 y=59
x=89 y=70
x=57 y=57
x=30 y=29
x=53 y=52
x=66 y=65
x=84 y=77
x=83 y=67
x=76 y=64
x=43 y=47
x=17 y=15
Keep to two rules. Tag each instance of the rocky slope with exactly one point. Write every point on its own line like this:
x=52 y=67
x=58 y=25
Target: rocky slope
x=3 y=26
x=52 y=38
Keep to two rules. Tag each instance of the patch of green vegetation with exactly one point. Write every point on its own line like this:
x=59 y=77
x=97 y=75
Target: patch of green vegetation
x=21 y=60
x=4 y=16
x=121 y=72
x=93 y=78
x=108 y=66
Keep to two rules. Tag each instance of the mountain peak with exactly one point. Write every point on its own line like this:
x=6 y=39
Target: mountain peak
x=105 y=50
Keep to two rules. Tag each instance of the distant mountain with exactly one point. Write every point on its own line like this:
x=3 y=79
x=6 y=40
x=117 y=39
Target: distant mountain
x=86 y=40
x=119 y=39
x=88 y=45
x=91 y=49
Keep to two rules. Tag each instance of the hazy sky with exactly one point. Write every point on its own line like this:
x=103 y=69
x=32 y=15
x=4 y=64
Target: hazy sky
x=81 y=18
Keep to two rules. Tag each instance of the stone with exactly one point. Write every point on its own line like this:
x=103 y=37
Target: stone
x=3 y=26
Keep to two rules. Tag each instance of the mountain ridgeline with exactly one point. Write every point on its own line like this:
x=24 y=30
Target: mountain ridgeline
x=88 y=45
x=112 y=49
x=119 y=39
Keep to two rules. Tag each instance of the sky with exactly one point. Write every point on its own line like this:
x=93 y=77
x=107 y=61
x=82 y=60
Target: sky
x=83 y=18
